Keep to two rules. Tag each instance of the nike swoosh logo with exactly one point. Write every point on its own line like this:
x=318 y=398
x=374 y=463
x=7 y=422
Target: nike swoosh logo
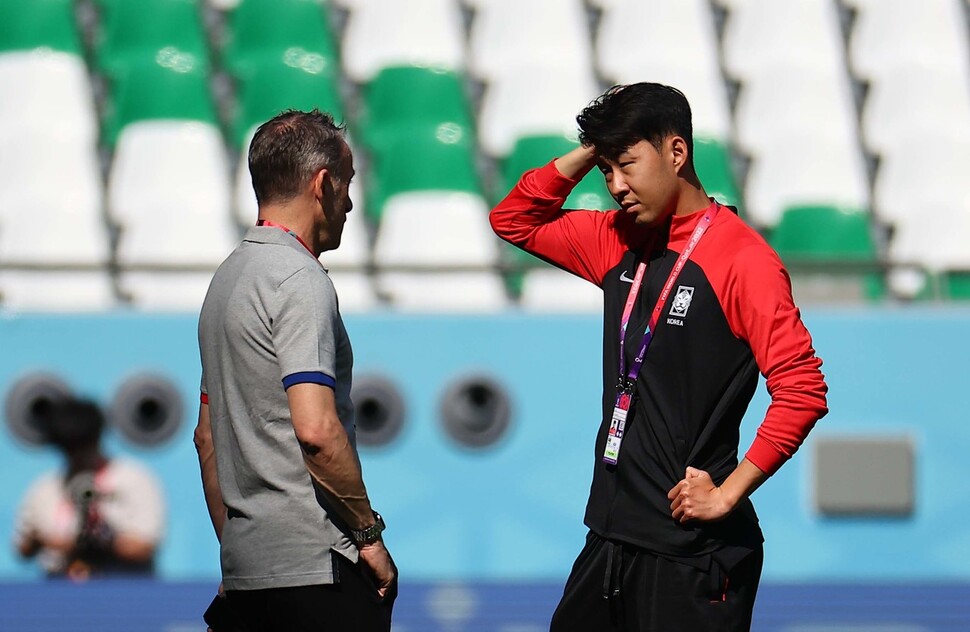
x=625 y=278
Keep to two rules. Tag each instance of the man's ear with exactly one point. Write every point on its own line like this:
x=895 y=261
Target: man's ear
x=319 y=184
x=679 y=153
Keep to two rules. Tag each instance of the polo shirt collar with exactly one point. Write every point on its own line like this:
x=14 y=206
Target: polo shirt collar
x=276 y=236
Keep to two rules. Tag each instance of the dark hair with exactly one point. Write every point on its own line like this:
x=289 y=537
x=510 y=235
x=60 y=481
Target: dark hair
x=289 y=149
x=69 y=422
x=626 y=114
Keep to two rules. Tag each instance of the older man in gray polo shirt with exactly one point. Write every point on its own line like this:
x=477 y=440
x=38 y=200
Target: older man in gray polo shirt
x=300 y=544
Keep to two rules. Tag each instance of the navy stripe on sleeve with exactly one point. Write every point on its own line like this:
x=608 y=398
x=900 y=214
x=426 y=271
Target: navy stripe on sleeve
x=309 y=377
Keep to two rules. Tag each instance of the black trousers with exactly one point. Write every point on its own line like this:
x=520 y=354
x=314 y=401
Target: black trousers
x=351 y=605
x=616 y=587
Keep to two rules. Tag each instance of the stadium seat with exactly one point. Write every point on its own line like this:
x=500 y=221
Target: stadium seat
x=432 y=159
x=509 y=34
x=49 y=176
x=152 y=91
x=824 y=233
x=536 y=151
x=402 y=97
x=437 y=292
x=29 y=24
x=136 y=32
x=355 y=291
x=414 y=33
x=829 y=234
x=51 y=203
x=428 y=231
x=548 y=289
x=56 y=291
x=166 y=291
x=891 y=33
x=933 y=243
x=274 y=86
x=68 y=239
x=514 y=106
x=919 y=174
x=762 y=34
x=712 y=161
x=915 y=100
x=168 y=190
x=685 y=57
x=295 y=32
x=178 y=240
x=435 y=228
x=956 y=285
x=781 y=102
x=805 y=170
x=46 y=93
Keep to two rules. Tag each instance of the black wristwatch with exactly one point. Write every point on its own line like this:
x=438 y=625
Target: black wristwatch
x=369 y=535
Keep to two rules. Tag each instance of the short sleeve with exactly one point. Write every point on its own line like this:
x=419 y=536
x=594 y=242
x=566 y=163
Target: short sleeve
x=138 y=504
x=304 y=324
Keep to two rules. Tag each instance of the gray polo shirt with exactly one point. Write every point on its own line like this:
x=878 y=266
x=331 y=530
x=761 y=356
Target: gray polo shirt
x=270 y=319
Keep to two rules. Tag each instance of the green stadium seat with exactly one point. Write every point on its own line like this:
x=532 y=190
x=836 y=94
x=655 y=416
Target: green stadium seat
x=151 y=91
x=273 y=86
x=956 y=285
x=840 y=236
x=713 y=165
x=402 y=97
x=294 y=31
x=30 y=24
x=135 y=31
x=429 y=159
x=535 y=151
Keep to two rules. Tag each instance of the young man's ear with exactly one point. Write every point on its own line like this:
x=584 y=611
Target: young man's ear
x=678 y=152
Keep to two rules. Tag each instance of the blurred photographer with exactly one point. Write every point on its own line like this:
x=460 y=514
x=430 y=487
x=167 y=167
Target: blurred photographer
x=99 y=516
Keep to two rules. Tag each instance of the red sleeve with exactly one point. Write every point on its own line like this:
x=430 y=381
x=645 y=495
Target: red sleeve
x=586 y=243
x=761 y=311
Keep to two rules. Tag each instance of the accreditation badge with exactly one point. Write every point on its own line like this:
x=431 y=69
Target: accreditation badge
x=617 y=425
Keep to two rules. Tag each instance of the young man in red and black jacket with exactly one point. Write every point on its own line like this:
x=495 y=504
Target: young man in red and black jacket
x=696 y=304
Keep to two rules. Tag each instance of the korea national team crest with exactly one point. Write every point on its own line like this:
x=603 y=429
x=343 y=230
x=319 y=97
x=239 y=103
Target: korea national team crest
x=680 y=305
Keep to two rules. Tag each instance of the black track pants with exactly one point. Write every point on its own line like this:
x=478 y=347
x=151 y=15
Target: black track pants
x=617 y=587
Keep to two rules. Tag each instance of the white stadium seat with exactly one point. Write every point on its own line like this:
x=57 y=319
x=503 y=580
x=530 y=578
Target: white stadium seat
x=781 y=103
x=412 y=33
x=56 y=291
x=508 y=34
x=48 y=93
x=513 y=106
x=913 y=100
x=762 y=34
x=918 y=174
x=429 y=231
x=805 y=170
x=168 y=189
x=685 y=58
x=166 y=291
x=892 y=33
x=549 y=289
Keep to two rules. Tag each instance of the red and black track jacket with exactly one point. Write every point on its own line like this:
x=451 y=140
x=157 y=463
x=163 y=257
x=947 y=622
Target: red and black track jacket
x=702 y=366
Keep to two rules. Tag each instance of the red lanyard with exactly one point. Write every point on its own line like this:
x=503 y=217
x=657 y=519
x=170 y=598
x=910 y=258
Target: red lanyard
x=266 y=222
x=702 y=225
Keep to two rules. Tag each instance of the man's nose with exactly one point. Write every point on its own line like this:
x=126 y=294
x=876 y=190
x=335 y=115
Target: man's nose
x=617 y=184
